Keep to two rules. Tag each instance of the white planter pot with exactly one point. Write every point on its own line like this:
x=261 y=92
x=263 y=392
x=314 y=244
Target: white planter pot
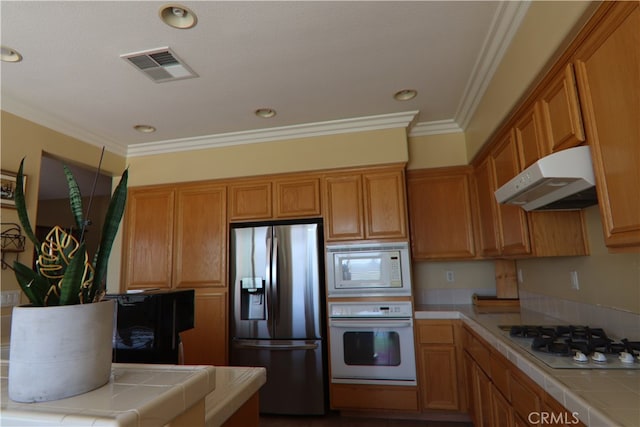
x=61 y=351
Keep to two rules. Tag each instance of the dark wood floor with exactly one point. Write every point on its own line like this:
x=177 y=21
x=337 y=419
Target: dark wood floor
x=335 y=420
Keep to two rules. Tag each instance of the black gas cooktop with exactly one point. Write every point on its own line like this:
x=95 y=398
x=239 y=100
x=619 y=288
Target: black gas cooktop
x=575 y=346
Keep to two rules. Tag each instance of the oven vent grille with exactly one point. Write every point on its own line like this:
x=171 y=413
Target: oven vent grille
x=160 y=65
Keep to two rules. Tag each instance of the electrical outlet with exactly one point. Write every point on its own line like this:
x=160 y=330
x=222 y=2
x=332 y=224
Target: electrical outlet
x=450 y=277
x=575 y=284
x=520 y=276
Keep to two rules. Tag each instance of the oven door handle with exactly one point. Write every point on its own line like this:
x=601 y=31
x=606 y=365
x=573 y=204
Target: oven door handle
x=367 y=324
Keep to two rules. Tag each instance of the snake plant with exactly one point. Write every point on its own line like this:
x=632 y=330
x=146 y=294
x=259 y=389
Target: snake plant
x=63 y=273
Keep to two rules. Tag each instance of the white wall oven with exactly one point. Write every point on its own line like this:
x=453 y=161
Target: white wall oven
x=368 y=269
x=372 y=343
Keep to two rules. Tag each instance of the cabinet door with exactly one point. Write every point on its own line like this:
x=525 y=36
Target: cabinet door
x=501 y=410
x=148 y=232
x=440 y=215
x=514 y=232
x=343 y=207
x=297 y=198
x=470 y=389
x=384 y=205
x=487 y=208
x=482 y=394
x=250 y=201
x=201 y=236
x=206 y=344
x=439 y=379
x=608 y=75
x=560 y=111
x=528 y=133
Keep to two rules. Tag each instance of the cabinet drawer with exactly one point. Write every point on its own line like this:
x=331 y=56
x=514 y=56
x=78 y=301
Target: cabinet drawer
x=480 y=353
x=352 y=396
x=435 y=333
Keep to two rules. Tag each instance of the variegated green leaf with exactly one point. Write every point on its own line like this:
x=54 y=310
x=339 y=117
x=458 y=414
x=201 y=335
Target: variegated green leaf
x=34 y=286
x=75 y=198
x=109 y=231
x=21 y=208
x=73 y=278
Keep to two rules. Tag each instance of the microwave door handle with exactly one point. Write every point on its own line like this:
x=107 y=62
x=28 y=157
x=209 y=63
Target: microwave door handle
x=368 y=324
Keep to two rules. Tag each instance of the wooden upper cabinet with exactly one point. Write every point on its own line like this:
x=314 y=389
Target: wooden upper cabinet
x=488 y=233
x=560 y=113
x=148 y=241
x=440 y=213
x=250 y=201
x=365 y=204
x=512 y=220
x=385 y=205
x=201 y=236
x=531 y=145
x=608 y=75
x=343 y=207
x=298 y=197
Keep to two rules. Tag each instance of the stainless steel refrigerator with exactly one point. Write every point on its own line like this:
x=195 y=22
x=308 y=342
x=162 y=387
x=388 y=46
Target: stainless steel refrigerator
x=277 y=316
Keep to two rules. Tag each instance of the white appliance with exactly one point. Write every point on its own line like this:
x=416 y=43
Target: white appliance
x=368 y=269
x=372 y=343
x=563 y=180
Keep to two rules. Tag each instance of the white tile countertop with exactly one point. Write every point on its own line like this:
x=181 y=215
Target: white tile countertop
x=602 y=398
x=137 y=395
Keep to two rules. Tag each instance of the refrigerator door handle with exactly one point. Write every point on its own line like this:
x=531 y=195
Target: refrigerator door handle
x=257 y=346
x=274 y=280
x=269 y=289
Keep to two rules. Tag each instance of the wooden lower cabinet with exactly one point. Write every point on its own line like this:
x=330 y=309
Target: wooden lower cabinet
x=500 y=394
x=374 y=397
x=438 y=365
x=501 y=411
x=206 y=344
x=248 y=415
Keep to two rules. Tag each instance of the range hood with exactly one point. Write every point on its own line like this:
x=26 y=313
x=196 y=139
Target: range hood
x=560 y=181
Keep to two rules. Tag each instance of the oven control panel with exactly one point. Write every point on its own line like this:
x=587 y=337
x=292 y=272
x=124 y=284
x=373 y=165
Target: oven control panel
x=393 y=309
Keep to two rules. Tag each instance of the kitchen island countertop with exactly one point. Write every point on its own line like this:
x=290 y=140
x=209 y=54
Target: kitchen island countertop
x=601 y=398
x=140 y=395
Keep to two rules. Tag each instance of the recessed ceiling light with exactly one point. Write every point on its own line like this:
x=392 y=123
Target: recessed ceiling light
x=9 y=55
x=405 y=95
x=178 y=16
x=144 y=128
x=265 y=113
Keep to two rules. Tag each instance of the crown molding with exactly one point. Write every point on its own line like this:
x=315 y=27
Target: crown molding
x=57 y=124
x=506 y=22
x=435 y=128
x=359 y=124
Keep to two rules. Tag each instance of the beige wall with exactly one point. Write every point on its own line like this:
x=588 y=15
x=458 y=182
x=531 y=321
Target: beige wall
x=543 y=31
x=315 y=153
x=21 y=138
x=610 y=280
x=432 y=151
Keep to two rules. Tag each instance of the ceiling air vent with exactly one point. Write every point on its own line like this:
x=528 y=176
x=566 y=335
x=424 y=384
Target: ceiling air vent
x=160 y=65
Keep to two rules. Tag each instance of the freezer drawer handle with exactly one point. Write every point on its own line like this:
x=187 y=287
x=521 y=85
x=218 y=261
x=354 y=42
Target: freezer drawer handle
x=338 y=324
x=277 y=346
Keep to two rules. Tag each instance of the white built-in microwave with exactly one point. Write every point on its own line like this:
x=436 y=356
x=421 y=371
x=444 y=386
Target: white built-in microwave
x=368 y=269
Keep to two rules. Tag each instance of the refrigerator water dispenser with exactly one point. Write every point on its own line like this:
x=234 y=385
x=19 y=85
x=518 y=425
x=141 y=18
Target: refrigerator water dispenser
x=252 y=298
